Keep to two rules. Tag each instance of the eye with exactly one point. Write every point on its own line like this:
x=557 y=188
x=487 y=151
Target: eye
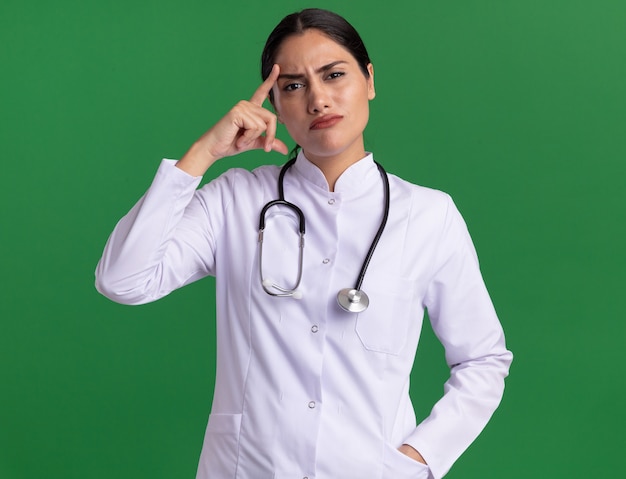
x=293 y=86
x=335 y=75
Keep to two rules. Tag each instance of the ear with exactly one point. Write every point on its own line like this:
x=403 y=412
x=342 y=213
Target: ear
x=371 y=91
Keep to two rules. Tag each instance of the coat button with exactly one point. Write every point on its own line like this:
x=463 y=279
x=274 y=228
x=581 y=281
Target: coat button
x=312 y=405
x=315 y=328
x=331 y=201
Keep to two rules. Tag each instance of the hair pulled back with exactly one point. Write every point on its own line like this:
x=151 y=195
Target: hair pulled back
x=334 y=26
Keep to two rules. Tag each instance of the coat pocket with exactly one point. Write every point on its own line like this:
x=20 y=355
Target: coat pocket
x=384 y=325
x=400 y=466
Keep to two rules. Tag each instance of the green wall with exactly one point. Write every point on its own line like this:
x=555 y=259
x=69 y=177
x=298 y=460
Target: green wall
x=517 y=109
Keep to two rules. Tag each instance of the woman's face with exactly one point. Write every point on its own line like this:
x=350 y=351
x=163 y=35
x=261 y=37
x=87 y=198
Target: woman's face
x=322 y=97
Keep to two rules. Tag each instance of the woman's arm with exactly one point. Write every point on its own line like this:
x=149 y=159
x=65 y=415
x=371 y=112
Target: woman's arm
x=167 y=238
x=464 y=319
x=161 y=244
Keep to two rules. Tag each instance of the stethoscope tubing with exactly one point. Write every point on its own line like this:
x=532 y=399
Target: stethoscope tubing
x=301 y=227
x=352 y=300
x=381 y=228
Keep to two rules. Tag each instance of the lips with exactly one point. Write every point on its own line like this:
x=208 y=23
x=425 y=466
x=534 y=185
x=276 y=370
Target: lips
x=325 y=121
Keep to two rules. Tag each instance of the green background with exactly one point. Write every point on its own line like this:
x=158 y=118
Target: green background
x=517 y=109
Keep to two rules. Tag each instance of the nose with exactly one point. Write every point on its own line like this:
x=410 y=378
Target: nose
x=318 y=97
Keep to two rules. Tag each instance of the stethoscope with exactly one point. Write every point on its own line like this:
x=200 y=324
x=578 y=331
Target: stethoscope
x=353 y=300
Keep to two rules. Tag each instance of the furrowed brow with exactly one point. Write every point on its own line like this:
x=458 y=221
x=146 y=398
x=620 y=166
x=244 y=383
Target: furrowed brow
x=330 y=66
x=290 y=76
x=300 y=76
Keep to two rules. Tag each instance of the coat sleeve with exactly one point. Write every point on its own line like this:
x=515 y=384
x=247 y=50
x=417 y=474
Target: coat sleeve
x=464 y=319
x=166 y=240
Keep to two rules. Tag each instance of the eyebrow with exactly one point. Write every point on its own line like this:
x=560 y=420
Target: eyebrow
x=297 y=76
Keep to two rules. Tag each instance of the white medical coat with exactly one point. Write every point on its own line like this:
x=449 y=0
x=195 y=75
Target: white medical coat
x=304 y=389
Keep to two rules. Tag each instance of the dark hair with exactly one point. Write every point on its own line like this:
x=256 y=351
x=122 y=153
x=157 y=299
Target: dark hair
x=329 y=23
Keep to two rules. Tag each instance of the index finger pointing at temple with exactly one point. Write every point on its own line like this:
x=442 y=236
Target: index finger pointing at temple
x=263 y=91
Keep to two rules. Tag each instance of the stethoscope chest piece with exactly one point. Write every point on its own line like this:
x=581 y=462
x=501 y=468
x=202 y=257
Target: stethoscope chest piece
x=353 y=300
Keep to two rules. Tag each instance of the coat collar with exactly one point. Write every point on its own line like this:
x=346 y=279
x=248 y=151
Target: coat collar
x=357 y=176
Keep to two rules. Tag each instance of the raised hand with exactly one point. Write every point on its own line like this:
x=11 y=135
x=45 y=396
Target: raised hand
x=247 y=126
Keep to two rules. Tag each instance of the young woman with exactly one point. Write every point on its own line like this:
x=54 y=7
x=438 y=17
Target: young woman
x=321 y=294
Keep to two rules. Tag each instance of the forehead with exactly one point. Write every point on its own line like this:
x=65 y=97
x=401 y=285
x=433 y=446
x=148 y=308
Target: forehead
x=310 y=49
